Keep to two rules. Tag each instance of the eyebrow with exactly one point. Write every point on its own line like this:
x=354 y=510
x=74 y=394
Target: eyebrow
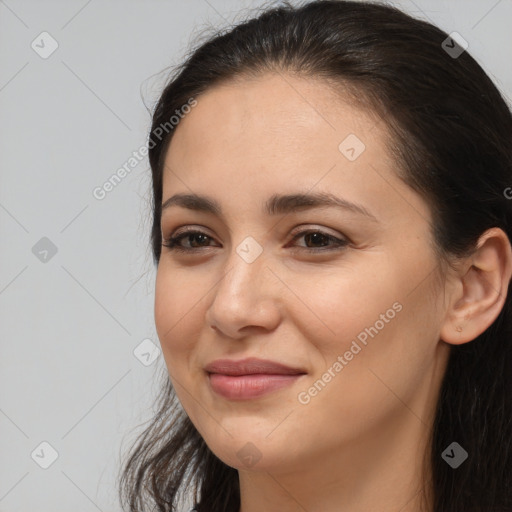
x=277 y=204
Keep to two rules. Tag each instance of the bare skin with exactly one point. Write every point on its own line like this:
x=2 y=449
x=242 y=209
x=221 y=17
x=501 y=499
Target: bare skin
x=358 y=442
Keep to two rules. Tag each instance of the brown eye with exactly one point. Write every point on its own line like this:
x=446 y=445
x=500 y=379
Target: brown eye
x=197 y=239
x=316 y=241
x=320 y=241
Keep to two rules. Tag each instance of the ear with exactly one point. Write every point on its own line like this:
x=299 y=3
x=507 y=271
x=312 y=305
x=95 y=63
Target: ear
x=480 y=289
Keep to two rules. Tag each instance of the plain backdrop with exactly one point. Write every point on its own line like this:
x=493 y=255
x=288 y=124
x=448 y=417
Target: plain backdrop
x=79 y=361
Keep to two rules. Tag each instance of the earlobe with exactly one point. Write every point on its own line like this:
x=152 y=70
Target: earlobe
x=480 y=289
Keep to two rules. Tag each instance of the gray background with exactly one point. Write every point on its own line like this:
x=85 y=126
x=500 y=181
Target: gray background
x=70 y=321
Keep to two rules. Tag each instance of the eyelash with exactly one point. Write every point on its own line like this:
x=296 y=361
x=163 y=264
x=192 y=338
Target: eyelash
x=172 y=243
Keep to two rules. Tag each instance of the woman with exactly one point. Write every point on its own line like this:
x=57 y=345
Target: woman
x=331 y=231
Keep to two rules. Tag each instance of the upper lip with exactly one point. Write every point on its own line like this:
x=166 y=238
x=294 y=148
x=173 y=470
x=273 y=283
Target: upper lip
x=250 y=366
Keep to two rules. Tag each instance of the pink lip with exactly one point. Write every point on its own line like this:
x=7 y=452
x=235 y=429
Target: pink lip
x=250 y=366
x=243 y=387
x=249 y=378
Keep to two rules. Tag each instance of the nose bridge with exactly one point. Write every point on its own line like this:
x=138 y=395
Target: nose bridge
x=245 y=267
x=244 y=295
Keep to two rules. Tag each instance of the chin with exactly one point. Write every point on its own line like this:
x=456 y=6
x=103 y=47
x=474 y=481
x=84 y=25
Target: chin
x=252 y=449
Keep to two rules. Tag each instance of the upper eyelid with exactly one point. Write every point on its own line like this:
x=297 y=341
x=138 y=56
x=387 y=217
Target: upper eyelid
x=298 y=230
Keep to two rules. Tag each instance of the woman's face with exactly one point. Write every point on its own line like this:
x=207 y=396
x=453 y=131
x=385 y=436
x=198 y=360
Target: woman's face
x=348 y=298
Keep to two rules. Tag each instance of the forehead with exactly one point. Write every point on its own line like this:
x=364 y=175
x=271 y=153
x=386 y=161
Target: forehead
x=280 y=133
x=272 y=112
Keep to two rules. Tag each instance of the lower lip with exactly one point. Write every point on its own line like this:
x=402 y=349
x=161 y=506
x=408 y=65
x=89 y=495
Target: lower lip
x=243 y=387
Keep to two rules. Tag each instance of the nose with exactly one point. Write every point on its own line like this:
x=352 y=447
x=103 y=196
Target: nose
x=246 y=298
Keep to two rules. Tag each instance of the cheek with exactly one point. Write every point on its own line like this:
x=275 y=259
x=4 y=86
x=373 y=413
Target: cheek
x=387 y=352
x=179 y=313
x=335 y=307
x=370 y=320
x=383 y=355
